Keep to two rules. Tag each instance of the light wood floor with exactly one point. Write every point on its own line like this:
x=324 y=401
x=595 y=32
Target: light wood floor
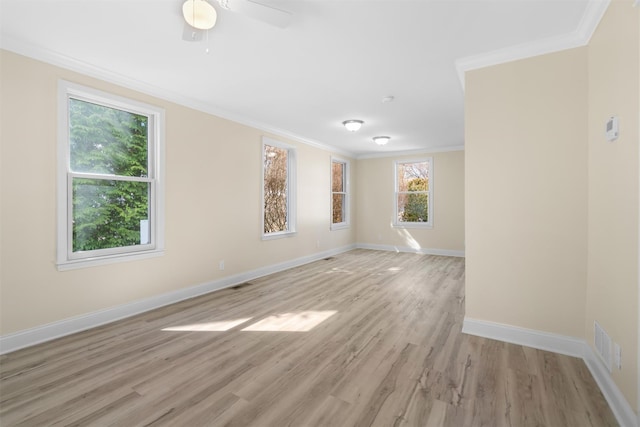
x=387 y=351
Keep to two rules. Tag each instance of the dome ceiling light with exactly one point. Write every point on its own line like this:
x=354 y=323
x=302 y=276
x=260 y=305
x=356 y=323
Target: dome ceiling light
x=381 y=140
x=353 y=125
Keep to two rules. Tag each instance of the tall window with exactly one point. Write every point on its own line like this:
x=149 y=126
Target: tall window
x=339 y=194
x=109 y=187
x=414 y=193
x=278 y=191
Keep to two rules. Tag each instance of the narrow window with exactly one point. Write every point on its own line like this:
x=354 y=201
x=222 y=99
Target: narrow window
x=109 y=187
x=414 y=193
x=339 y=194
x=278 y=191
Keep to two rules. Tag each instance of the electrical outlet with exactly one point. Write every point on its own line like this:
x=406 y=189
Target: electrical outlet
x=221 y=265
x=617 y=355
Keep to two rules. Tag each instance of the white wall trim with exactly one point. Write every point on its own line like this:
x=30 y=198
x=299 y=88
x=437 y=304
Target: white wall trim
x=48 y=332
x=564 y=345
x=109 y=76
x=637 y=4
x=424 y=251
x=528 y=337
x=411 y=152
x=619 y=405
x=580 y=37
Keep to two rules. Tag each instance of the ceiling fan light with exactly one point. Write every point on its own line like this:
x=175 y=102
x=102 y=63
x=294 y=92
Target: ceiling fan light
x=381 y=140
x=353 y=125
x=199 y=14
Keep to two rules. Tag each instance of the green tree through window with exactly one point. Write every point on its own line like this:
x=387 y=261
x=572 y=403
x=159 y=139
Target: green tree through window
x=413 y=192
x=416 y=207
x=109 y=155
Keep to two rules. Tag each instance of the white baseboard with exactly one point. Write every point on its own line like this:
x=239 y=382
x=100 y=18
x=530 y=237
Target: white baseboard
x=48 y=332
x=528 y=337
x=512 y=334
x=425 y=251
x=619 y=405
x=564 y=345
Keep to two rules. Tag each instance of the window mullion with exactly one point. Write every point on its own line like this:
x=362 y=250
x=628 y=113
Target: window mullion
x=110 y=177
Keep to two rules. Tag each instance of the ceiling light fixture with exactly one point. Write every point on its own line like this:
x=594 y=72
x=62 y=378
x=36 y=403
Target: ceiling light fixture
x=199 y=14
x=353 y=125
x=381 y=140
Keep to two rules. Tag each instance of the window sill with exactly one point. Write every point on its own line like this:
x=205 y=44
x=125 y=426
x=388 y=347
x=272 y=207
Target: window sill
x=341 y=226
x=279 y=235
x=104 y=260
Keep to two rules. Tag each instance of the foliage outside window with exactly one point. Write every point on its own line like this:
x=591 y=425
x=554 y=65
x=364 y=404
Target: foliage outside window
x=278 y=173
x=414 y=193
x=109 y=203
x=339 y=194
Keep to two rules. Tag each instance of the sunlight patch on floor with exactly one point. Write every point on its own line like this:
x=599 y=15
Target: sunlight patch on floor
x=220 y=326
x=302 y=321
x=338 y=270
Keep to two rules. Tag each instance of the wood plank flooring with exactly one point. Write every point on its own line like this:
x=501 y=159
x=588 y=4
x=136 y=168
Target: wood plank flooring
x=366 y=338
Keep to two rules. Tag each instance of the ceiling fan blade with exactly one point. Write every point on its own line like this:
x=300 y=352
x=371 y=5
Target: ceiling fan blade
x=267 y=14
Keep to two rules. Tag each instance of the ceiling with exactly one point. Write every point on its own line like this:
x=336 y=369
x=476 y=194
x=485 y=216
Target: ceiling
x=336 y=60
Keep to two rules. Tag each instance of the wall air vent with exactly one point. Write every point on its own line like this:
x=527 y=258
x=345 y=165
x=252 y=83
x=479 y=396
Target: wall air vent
x=603 y=344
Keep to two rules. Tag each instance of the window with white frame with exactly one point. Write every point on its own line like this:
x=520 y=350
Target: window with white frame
x=110 y=195
x=278 y=189
x=339 y=194
x=414 y=193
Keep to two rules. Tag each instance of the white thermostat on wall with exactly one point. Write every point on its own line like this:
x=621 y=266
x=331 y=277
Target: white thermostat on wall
x=612 y=128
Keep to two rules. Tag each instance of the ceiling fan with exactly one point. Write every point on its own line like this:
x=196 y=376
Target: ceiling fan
x=200 y=15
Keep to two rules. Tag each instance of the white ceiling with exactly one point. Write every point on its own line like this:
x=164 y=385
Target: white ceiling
x=335 y=61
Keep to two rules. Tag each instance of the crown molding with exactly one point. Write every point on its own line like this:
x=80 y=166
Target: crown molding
x=580 y=37
x=410 y=152
x=63 y=61
x=59 y=60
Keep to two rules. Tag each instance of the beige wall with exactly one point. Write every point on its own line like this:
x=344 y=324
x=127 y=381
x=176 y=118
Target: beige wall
x=526 y=192
x=614 y=89
x=207 y=219
x=375 y=196
x=551 y=207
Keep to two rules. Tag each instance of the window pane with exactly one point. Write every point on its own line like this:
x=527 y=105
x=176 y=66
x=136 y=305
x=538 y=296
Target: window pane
x=338 y=208
x=413 y=177
x=275 y=189
x=106 y=140
x=337 y=177
x=109 y=214
x=413 y=207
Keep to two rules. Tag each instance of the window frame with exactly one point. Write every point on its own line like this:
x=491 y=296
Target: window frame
x=291 y=189
x=402 y=224
x=66 y=259
x=346 y=192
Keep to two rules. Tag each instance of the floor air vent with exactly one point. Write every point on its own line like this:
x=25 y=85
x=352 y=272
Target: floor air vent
x=603 y=344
